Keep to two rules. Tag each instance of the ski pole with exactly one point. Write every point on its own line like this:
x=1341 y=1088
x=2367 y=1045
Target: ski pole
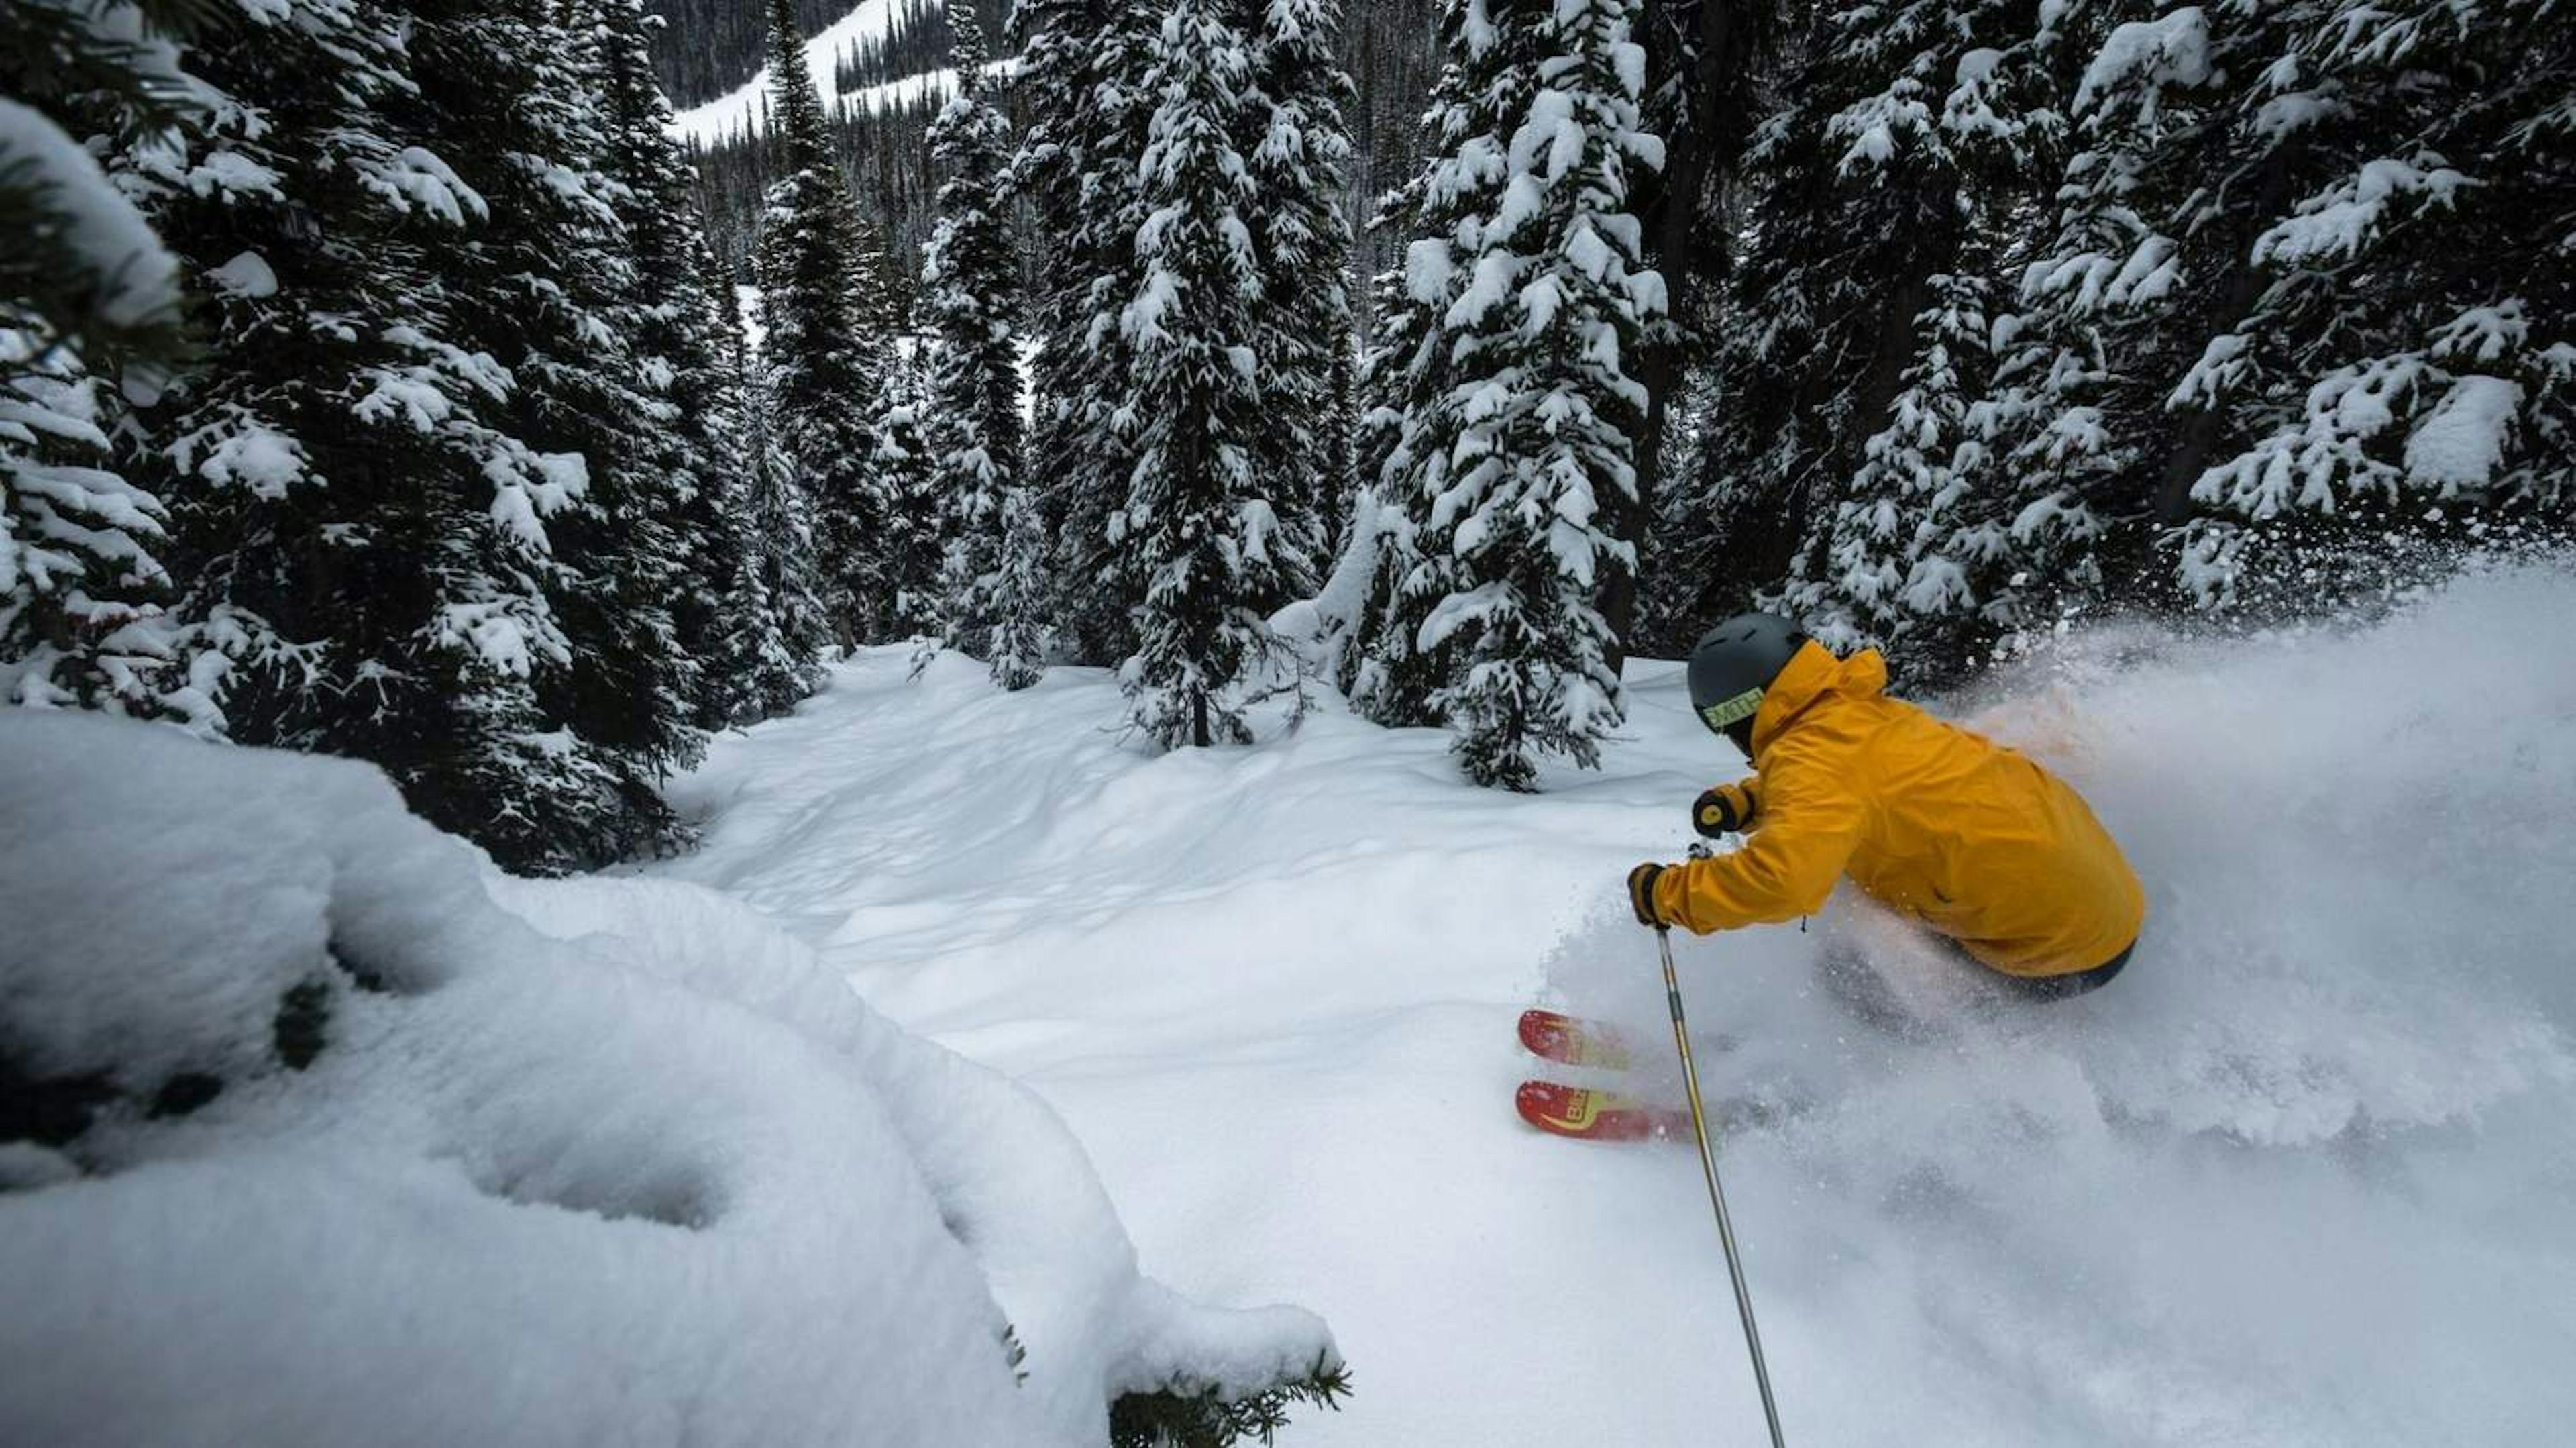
x=1716 y=1193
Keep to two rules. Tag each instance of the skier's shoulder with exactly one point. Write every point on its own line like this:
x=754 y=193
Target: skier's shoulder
x=1828 y=727
x=1820 y=752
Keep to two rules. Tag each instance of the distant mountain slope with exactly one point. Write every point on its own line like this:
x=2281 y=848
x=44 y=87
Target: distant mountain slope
x=738 y=112
x=709 y=49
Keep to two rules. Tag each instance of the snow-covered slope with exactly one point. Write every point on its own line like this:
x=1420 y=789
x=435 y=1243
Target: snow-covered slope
x=435 y=1157
x=739 y=110
x=743 y=110
x=2305 y=1174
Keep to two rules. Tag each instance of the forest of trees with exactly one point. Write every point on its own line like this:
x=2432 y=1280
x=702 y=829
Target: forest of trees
x=882 y=142
x=1392 y=51
x=2029 y=312
x=372 y=380
x=431 y=441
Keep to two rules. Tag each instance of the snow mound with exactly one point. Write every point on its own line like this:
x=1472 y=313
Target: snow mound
x=318 y=1129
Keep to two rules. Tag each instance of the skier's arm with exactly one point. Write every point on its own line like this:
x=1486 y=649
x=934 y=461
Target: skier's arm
x=1810 y=826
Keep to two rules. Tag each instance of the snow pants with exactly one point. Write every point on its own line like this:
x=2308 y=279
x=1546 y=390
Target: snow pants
x=1859 y=986
x=2059 y=987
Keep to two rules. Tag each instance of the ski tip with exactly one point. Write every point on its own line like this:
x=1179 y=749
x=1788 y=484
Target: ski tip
x=1555 y=1036
x=1549 y=1106
x=1540 y=1096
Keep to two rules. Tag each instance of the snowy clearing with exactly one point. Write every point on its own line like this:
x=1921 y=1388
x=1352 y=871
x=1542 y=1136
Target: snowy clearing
x=2305 y=1174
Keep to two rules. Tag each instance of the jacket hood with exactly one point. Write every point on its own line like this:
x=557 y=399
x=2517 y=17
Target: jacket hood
x=1810 y=674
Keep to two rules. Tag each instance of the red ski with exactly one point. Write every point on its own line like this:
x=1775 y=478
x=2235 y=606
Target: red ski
x=1589 y=1115
x=1552 y=1036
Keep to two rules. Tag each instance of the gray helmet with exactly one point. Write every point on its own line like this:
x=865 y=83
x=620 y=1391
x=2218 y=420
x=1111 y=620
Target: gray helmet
x=1734 y=662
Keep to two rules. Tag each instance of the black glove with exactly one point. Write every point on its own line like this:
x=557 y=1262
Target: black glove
x=1725 y=810
x=1641 y=894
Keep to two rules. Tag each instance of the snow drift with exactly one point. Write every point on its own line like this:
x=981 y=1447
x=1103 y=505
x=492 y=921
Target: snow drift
x=354 y=1140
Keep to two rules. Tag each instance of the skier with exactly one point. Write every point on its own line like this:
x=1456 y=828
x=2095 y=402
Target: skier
x=1968 y=838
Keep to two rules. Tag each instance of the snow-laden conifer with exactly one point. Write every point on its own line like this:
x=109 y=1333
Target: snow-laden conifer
x=2278 y=345
x=1299 y=163
x=823 y=347
x=358 y=516
x=1198 y=524
x=2366 y=337
x=511 y=93
x=1910 y=136
x=1524 y=242
x=1082 y=82
x=89 y=297
x=780 y=626
x=675 y=320
x=970 y=277
x=913 y=544
x=1381 y=587
x=1938 y=549
x=769 y=621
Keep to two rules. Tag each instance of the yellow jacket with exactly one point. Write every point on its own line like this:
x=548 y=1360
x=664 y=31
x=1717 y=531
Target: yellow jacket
x=1970 y=838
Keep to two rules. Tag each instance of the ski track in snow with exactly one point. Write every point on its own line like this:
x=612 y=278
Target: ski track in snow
x=2305 y=1174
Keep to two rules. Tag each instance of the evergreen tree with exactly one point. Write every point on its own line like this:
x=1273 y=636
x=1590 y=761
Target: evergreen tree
x=1711 y=71
x=359 y=522
x=1913 y=129
x=1299 y=161
x=883 y=305
x=1382 y=586
x=1939 y=551
x=1015 y=593
x=914 y=542
x=2313 y=247
x=88 y=298
x=2217 y=308
x=1525 y=244
x=823 y=344
x=767 y=665
x=1082 y=79
x=1207 y=539
x=1919 y=528
x=549 y=290
x=969 y=275
x=778 y=625
x=675 y=323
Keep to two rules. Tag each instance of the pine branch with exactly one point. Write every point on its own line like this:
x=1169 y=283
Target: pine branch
x=1174 y=1418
